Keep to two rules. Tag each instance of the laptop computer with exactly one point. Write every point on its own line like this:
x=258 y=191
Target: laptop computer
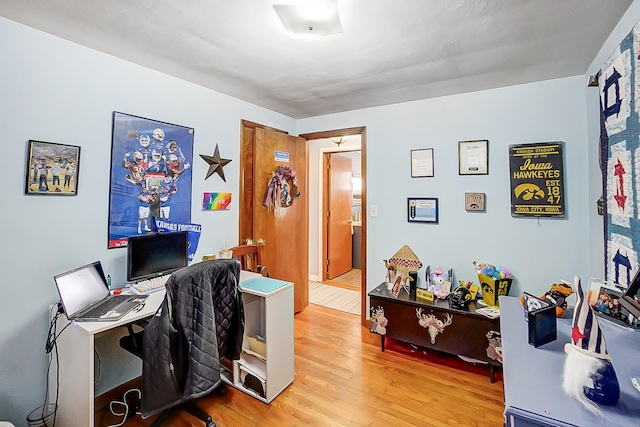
x=85 y=295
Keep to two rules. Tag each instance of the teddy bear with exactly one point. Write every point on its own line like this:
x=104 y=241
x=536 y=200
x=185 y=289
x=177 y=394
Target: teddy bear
x=556 y=295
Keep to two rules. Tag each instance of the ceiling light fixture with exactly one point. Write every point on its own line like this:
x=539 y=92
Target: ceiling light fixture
x=310 y=18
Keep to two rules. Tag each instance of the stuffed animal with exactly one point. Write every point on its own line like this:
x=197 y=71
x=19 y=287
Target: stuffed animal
x=437 y=280
x=557 y=296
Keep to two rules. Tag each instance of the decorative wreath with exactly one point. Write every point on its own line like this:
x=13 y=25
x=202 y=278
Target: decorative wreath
x=282 y=189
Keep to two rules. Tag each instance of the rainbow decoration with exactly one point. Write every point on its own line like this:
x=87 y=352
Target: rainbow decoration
x=216 y=201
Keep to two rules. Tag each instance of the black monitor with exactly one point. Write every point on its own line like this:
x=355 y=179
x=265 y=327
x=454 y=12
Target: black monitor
x=157 y=254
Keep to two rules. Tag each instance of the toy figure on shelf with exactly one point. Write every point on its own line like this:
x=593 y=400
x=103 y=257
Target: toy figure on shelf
x=391 y=272
x=588 y=376
x=440 y=283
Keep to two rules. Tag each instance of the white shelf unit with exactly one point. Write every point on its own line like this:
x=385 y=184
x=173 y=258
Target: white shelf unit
x=268 y=312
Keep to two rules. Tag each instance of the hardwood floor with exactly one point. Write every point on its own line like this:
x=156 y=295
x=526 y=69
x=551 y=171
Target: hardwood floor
x=337 y=298
x=349 y=280
x=342 y=378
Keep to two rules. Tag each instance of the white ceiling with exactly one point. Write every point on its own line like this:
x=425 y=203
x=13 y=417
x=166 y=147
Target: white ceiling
x=390 y=51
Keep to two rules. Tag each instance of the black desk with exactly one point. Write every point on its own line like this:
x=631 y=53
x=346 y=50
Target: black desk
x=533 y=377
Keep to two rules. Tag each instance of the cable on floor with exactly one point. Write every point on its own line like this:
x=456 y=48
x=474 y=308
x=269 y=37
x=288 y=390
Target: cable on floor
x=132 y=406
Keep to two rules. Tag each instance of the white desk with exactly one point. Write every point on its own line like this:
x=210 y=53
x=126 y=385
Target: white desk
x=76 y=345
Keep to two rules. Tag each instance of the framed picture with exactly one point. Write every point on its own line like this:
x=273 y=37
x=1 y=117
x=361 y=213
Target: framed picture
x=604 y=298
x=150 y=176
x=52 y=169
x=422 y=163
x=423 y=210
x=537 y=180
x=631 y=298
x=397 y=285
x=473 y=157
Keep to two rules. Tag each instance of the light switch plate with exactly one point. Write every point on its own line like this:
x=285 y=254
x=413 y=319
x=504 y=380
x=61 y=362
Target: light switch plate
x=374 y=211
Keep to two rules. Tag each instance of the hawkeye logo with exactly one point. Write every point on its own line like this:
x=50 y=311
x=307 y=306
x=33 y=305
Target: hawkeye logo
x=528 y=191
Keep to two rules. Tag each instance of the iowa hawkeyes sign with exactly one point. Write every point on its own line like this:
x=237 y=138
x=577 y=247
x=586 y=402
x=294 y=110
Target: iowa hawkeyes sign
x=537 y=180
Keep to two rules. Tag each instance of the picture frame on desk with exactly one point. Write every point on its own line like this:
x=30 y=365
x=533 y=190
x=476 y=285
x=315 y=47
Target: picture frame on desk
x=52 y=169
x=631 y=298
x=605 y=299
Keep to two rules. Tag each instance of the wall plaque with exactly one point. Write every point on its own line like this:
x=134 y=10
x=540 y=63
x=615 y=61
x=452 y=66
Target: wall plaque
x=474 y=202
x=537 y=179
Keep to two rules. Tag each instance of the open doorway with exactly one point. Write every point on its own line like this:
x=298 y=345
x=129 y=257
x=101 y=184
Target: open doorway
x=321 y=146
x=342 y=225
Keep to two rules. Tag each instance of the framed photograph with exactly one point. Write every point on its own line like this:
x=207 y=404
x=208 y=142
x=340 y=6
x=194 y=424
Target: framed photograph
x=473 y=157
x=604 y=298
x=52 y=169
x=422 y=163
x=423 y=210
x=397 y=285
x=150 y=176
x=631 y=298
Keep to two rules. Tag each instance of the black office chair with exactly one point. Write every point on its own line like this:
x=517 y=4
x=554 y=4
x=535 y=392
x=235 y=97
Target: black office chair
x=200 y=321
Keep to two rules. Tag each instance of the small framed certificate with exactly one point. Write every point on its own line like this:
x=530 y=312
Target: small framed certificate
x=473 y=157
x=423 y=210
x=422 y=163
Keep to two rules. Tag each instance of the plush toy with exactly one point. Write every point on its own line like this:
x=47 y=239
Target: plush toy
x=557 y=296
x=495 y=272
x=438 y=280
x=588 y=374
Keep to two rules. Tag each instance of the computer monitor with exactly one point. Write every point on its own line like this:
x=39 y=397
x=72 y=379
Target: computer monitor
x=157 y=254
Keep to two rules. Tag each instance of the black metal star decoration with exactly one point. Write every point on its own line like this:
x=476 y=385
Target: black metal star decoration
x=215 y=164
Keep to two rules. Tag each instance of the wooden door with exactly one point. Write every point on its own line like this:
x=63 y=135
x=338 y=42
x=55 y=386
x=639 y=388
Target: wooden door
x=339 y=196
x=285 y=229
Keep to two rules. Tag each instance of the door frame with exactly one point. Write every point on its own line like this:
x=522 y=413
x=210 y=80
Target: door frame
x=362 y=131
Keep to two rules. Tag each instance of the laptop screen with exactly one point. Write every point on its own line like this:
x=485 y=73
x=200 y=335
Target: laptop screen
x=81 y=287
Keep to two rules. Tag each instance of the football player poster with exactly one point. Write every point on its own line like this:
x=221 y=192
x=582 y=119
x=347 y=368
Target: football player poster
x=150 y=176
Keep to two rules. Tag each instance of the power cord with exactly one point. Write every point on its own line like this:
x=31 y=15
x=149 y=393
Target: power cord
x=50 y=346
x=129 y=404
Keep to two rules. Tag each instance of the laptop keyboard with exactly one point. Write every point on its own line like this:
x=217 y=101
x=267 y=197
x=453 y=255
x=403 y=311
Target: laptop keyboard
x=106 y=306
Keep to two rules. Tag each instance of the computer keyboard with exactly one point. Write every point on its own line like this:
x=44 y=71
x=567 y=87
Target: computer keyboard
x=148 y=286
x=106 y=306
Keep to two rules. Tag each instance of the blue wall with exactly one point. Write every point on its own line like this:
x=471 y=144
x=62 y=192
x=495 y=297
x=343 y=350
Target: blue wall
x=538 y=252
x=57 y=91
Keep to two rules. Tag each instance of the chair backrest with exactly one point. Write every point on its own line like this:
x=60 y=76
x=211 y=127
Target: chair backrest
x=249 y=257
